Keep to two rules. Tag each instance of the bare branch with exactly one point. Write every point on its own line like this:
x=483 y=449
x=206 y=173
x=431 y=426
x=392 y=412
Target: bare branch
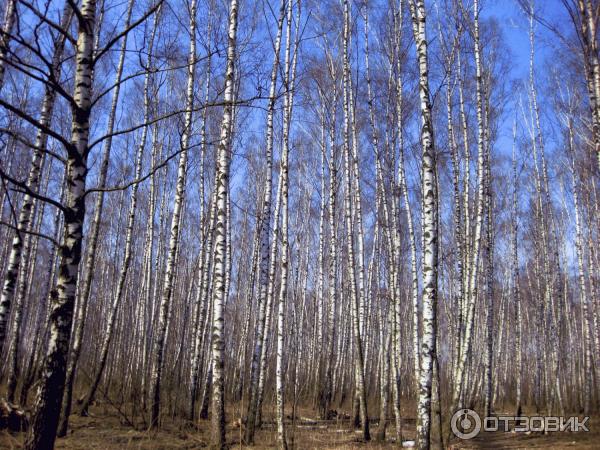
x=33 y=233
x=26 y=190
x=35 y=123
x=134 y=24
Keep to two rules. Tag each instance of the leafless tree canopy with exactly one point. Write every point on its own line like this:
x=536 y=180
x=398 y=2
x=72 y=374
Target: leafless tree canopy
x=246 y=219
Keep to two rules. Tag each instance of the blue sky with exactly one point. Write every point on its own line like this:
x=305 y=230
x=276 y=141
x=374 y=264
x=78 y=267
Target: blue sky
x=516 y=28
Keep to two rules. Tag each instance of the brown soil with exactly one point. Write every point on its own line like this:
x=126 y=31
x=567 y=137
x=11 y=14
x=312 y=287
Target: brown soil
x=104 y=430
x=531 y=440
x=557 y=440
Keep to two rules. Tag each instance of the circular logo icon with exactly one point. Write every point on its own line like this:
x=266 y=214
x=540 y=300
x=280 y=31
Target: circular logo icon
x=465 y=424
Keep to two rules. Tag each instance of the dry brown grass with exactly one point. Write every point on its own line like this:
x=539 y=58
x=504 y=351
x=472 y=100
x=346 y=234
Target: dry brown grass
x=103 y=430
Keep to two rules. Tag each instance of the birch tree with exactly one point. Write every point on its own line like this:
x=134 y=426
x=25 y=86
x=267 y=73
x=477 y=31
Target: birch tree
x=355 y=294
x=50 y=391
x=158 y=350
x=473 y=264
x=430 y=224
x=10 y=15
x=515 y=276
x=33 y=180
x=381 y=268
x=222 y=190
x=583 y=296
x=82 y=307
x=265 y=251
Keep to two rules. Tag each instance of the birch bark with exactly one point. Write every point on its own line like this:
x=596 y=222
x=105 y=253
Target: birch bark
x=10 y=16
x=587 y=331
x=430 y=229
x=355 y=295
x=47 y=406
x=164 y=312
x=515 y=276
x=15 y=258
x=474 y=263
x=265 y=251
x=89 y=267
x=222 y=189
x=284 y=186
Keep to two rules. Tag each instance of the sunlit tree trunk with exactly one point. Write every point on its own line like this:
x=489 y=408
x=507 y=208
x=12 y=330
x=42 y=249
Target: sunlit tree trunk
x=290 y=72
x=147 y=292
x=265 y=250
x=355 y=295
x=127 y=255
x=47 y=407
x=474 y=253
x=17 y=319
x=466 y=229
x=10 y=16
x=430 y=243
x=157 y=352
x=25 y=214
x=583 y=298
x=489 y=326
x=84 y=296
x=403 y=185
x=588 y=16
x=326 y=395
x=515 y=277
x=320 y=303
x=202 y=301
x=222 y=188
x=207 y=234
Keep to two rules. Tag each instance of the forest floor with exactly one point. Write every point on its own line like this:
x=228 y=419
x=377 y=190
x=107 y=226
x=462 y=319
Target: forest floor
x=104 y=430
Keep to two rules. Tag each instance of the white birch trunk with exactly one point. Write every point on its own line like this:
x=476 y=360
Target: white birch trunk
x=515 y=278
x=222 y=188
x=474 y=263
x=430 y=226
x=10 y=16
x=25 y=214
x=355 y=294
x=47 y=407
x=265 y=251
x=84 y=294
x=583 y=298
x=164 y=312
